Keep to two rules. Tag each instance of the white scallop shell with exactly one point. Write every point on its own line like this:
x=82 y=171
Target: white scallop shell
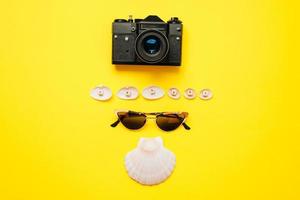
x=189 y=93
x=101 y=93
x=150 y=163
x=206 y=94
x=174 y=93
x=128 y=93
x=153 y=92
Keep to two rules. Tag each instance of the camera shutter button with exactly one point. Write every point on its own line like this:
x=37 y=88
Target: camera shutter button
x=174 y=20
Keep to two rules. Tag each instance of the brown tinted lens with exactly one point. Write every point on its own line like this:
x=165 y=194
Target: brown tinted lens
x=132 y=120
x=169 y=122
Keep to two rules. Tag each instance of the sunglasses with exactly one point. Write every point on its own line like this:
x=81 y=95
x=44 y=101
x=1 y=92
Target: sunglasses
x=167 y=121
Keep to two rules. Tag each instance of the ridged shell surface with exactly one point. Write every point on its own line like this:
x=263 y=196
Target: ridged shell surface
x=150 y=163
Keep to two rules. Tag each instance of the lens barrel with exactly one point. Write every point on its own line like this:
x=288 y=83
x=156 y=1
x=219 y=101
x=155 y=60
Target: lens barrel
x=152 y=46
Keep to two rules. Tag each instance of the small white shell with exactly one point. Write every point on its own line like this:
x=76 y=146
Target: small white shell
x=128 y=93
x=189 y=93
x=174 y=93
x=101 y=93
x=153 y=92
x=206 y=94
x=150 y=163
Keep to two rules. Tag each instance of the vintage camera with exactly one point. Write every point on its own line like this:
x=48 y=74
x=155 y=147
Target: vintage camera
x=149 y=41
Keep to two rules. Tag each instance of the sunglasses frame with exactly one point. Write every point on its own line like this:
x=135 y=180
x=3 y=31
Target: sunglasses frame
x=148 y=116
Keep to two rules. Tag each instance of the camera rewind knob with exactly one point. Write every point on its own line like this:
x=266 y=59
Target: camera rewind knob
x=130 y=19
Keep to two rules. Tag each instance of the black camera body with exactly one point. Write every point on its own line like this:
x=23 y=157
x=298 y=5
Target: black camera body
x=149 y=41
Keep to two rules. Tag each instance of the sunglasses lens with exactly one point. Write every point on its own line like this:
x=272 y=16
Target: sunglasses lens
x=132 y=120
x=169 y=122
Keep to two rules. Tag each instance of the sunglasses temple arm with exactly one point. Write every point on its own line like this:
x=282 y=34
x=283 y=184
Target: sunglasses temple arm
x=115 y=123
x=186 y=126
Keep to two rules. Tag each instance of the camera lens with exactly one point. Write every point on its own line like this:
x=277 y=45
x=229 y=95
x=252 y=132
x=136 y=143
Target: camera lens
x=151 y=44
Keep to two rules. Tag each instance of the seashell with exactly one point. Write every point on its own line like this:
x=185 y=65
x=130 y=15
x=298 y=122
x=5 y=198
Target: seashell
x=174 y=93
x=206 y=94
x=189 y=93
x=101 y=93
x=150 y=163
x=128 y=93
x=153 y=92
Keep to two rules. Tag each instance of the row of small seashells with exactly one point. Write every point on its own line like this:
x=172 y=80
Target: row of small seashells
x=103 y=93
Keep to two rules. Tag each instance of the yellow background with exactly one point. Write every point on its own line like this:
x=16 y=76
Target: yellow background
x=56 y=142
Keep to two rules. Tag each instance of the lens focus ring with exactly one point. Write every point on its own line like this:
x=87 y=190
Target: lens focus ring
x=152 y=46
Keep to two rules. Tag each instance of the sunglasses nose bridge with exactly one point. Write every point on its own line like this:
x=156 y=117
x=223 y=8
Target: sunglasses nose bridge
x=151 y=117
